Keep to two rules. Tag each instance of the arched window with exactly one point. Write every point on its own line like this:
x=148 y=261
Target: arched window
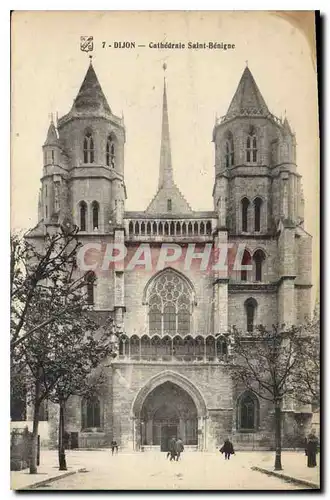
x=134 y=347
x=95 y=212
x=155 y=314
x=258 y=258
x=210 y=347
x=221 y=347
x=199 y=347
x=250 y=307
x=166 y=347
x=251 y=147
x=248 y=412
x=83 y=216
x=90 y=279
x=245 y=210
x=88 y=148
x=110 y=152
x=246 y=261
x=229 y=150
x=169 y=305
x=257 y=213
x=90 y=413
x=169 y=205
x=169 y=319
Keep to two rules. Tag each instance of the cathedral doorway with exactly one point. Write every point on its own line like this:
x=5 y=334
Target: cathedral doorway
x=168 y=411
x=169 y=405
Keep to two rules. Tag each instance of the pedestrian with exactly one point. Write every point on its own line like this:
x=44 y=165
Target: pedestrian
x=227 y=449
x=171 y=449
x=179 y=448
x=312 y=448
x=114 y=446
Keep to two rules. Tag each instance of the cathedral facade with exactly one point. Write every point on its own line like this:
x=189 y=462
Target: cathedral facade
x=171 y=376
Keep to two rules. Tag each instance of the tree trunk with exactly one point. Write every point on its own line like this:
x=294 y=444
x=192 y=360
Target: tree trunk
x=61 y=447
x=34 y=438
x=278 y=438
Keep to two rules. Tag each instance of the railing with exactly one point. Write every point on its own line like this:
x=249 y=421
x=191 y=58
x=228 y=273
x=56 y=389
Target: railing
x=247 y=112
x=185 y=349
x=169 y=227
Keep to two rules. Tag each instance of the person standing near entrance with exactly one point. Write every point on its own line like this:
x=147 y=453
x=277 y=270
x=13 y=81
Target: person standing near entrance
x=114 y=446
x=311 y=449
x=227 y=449
x=171 y=449
x=179 y=448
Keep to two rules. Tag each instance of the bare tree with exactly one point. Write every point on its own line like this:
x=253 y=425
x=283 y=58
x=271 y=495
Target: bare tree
x=264 y=362
x=30 y=269
x=81 y=373
x=50 y=319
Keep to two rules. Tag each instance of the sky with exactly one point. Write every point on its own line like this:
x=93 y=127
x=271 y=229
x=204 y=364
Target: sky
x=48 y=68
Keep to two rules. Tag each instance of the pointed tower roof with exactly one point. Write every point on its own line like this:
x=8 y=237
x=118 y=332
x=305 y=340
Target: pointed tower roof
x=52 y=139
x=247 y=99
x=286 y=125
x=165 y=166
x=167 y=189
x=90 y=96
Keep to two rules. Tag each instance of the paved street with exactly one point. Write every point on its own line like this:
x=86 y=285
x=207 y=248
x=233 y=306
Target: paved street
x=153 y=471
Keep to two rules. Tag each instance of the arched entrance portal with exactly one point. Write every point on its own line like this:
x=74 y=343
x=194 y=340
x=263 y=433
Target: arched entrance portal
x=169 y=404
x=168 y=411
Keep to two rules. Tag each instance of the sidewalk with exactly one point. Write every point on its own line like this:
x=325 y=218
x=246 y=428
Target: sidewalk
x=294 y=464
x=47 y=471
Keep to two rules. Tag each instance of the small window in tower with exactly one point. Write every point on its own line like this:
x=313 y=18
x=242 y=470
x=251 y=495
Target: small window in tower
x=251 y=147
x=258 y=258
x=245 y=211
x=53 y=156
x=229 y=150
x=246 y=261
x=250 y=307
x=257 y=214
x=46 y=191
x=169 y=205
x=46 y=210
x=83 y=216
x=95 y=211
x=88 y=148
x=110 y=153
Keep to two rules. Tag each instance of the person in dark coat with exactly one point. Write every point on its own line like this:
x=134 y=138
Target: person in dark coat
x=114 y=446
x=179 y=448
x=312 y=446
x=227 y=449
x=305 y=445
x=171 y=449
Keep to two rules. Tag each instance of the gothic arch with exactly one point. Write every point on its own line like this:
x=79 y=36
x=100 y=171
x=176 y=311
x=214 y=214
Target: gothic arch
x=187 y=281
x=259 y=248
x=251 y=397
x=175 y=378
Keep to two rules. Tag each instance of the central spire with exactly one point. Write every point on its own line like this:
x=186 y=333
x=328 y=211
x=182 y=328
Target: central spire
x=168 y=197
x=165 y=167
